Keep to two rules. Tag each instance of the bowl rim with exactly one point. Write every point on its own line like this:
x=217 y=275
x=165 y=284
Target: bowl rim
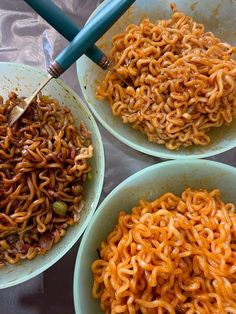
x=166 y=155
x=101 y=165
x=118 y=189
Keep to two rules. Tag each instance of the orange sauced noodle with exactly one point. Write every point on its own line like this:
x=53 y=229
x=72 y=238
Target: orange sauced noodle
x=180 y=81
x=171 y=255
x=43 y=164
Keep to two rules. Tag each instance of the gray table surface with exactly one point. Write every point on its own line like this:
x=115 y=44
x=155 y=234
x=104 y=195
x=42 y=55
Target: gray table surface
x=26 y=38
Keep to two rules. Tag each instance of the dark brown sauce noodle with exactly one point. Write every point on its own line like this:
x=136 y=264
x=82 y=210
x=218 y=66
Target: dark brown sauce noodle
x=43 y=165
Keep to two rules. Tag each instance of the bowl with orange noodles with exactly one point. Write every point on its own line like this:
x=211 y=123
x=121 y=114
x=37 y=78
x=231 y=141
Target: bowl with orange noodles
x=51 y=174
x=170 y=91
x=162 y=241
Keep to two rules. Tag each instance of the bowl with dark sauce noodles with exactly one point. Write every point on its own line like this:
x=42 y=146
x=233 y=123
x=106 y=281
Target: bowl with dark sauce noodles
x=51 y=173
x=171 y=89
x=163 y=241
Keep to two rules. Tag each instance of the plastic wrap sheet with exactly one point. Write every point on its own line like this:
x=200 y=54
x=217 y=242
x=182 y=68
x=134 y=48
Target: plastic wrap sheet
x=27 y=38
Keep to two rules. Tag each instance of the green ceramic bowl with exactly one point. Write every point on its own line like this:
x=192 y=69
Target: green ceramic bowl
x=25 y=79
x=149 y=183
x=218 y=16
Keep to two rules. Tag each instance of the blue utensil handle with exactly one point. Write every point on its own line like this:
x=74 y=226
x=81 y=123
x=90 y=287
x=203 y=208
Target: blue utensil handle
x=91 y=32
x=51 y=13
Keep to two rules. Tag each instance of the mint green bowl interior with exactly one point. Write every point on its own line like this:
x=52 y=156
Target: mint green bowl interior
x=218 y=16
x=25 y=79
x=149 y=183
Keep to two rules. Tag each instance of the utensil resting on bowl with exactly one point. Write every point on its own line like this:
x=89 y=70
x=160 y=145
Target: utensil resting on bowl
x=91 y=32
